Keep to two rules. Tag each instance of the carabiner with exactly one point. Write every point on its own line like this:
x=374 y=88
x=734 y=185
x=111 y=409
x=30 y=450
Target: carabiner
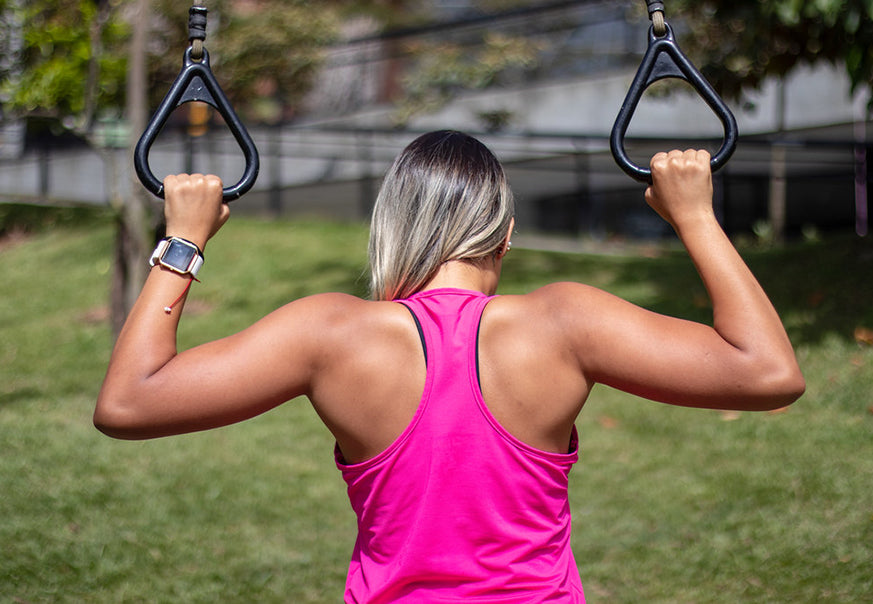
x=664 y=59
x=196 y=82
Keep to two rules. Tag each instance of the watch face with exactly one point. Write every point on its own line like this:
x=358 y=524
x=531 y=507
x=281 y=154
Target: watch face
x=179 y=255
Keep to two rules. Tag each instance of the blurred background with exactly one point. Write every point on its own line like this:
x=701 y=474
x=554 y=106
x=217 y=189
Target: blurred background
x=707 y=507
x=330 y=91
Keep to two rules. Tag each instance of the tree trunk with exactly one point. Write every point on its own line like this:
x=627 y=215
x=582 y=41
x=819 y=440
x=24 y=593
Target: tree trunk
x=135 y=234
x=778 y=197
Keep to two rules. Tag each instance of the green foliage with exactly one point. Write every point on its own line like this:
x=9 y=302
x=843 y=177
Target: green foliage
x=269 y=51
x=435 y=69
x=61 y=43
x=740 y=43
x=442 y=69
x=669 y=505
x=20 y=219
x=72 y=62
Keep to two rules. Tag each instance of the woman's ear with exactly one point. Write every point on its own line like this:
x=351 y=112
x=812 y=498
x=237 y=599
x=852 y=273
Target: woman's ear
x=507 y=243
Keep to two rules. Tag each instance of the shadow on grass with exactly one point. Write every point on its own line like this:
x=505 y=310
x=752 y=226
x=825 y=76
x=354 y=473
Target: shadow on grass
x=25 y=393
x=30 y=218
x=821 y=289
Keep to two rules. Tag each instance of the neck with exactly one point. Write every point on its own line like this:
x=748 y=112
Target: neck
x=481 y=276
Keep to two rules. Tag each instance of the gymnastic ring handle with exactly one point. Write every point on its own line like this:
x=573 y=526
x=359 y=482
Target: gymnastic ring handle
x=196 y=82
x=664 y=59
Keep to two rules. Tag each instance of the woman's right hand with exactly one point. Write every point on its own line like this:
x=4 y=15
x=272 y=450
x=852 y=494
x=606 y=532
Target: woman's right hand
x=193 y=207
x=681 y=187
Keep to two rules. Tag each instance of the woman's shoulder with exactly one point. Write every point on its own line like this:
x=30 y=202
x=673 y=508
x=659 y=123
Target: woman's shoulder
x=344 y=315
x=555 y=311
x=555 y=297
x=334 y=302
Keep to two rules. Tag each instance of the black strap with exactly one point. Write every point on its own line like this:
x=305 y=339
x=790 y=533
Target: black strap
x=197 y=23
x=420 y=332
x=654 y=6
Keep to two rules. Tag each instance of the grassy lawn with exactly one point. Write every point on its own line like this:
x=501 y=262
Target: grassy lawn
x=670 y=505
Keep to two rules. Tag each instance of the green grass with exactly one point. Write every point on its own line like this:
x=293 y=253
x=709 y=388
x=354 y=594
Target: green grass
x=669 y=504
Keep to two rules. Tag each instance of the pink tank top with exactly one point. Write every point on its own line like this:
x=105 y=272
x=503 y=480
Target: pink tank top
x=457 y=509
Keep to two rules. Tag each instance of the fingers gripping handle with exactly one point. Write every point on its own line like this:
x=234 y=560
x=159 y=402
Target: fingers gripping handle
x=664 y=59
x=196 y=82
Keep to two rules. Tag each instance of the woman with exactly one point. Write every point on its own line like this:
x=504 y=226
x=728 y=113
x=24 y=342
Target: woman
x=453 y=409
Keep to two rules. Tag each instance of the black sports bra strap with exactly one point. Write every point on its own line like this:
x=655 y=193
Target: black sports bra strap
x=420 y=333
x=478 y=331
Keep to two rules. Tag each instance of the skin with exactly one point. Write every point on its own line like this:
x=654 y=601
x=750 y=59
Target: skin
x=540 y=353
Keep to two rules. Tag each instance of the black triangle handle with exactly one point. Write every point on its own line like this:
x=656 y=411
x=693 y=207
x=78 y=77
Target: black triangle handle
x=664 y=59
x=196 y=82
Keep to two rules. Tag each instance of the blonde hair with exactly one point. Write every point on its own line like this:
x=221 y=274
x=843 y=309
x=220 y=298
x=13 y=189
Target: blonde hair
x=444 y=198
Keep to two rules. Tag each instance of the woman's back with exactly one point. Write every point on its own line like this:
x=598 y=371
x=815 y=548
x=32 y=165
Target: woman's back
x=473 y=512
x=370 y=386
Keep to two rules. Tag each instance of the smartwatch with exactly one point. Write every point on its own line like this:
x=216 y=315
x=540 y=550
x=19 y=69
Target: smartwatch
x=179 y=255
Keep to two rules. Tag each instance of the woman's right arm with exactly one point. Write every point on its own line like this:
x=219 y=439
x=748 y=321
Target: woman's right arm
x=152 y=390
x=743 y=361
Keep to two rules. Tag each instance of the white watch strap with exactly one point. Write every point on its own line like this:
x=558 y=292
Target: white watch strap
x=195 y=265
x=162 y=246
